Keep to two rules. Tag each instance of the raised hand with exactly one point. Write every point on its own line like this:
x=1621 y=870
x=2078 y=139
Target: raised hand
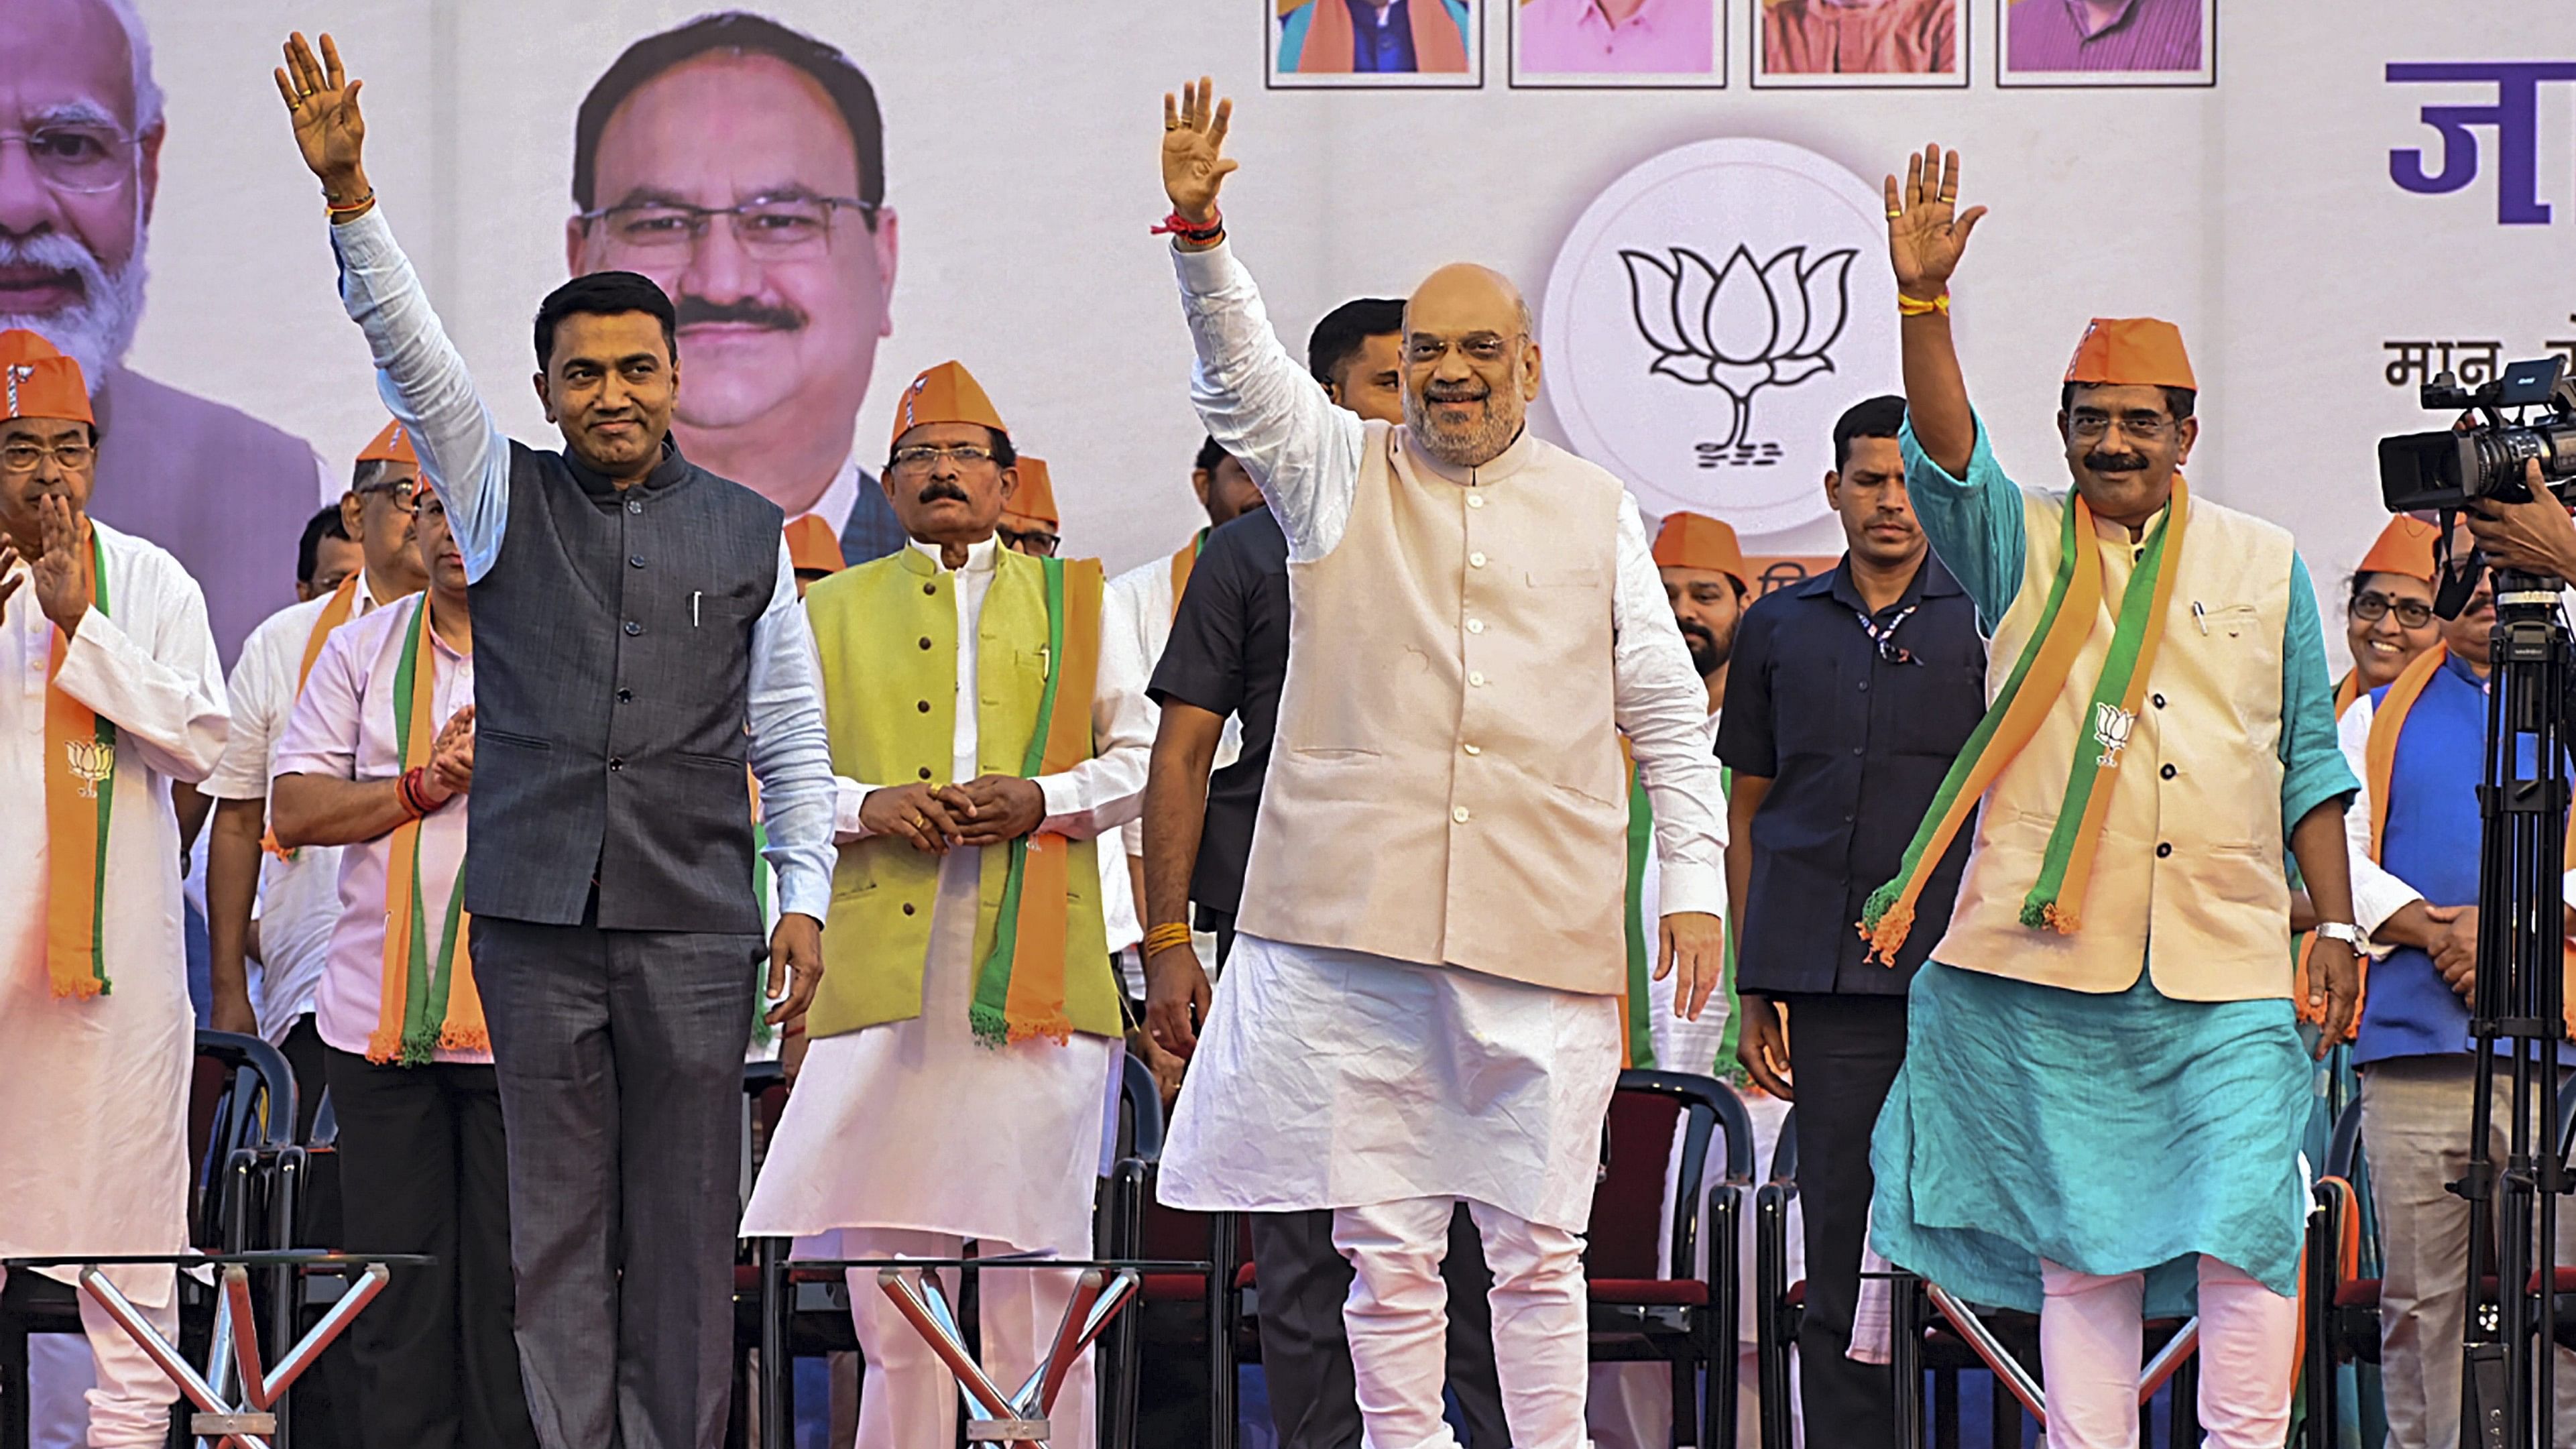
x=64 y=585
x=323 y=103
x=1926 y=233
x=11 y=580
x=1194 y=159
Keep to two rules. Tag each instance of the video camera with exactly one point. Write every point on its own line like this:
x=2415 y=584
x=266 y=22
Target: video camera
x=2423 y=472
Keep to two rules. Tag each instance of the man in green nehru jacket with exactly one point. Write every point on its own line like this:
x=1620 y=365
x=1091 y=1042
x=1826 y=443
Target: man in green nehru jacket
x=962 y=1052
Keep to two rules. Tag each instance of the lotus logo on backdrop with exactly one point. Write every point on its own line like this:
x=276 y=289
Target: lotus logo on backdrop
x=1739 y=330
x=1709 y=316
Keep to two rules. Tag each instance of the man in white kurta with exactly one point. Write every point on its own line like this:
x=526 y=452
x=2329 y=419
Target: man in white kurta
x=94 y=1088
x=1475 y=612
x=911 y=1136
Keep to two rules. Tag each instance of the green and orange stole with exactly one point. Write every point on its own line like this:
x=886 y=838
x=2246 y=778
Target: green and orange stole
x=428 y=1001
x=80 y=793
x=1020 y=988
x=2056 y=898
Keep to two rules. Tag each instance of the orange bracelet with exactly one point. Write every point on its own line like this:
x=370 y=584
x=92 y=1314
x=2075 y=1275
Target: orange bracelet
x=1165 y=936
x=1916 y=307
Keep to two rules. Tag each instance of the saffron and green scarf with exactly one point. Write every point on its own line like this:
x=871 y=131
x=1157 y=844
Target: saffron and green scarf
x=2038 y=678
x=80 y=791
x=1020 y=988
x=428 y=1001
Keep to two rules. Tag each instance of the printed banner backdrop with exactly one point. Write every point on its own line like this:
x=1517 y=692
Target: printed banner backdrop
x=2331 y=205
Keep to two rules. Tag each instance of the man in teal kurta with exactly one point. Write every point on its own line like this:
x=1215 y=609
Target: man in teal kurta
x=2104 y=1087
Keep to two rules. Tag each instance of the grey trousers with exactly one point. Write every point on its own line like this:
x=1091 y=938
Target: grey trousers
x=620 y=1062
x=2415 y=1131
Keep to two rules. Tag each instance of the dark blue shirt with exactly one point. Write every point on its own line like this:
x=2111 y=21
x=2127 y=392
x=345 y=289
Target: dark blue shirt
x=1228 y=654
x=1855 y=745
x=1381 y=49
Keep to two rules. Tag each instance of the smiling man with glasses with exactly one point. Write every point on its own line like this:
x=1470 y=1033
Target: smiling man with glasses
x=2105 y=1089
x=80 y=167
x=741 y=165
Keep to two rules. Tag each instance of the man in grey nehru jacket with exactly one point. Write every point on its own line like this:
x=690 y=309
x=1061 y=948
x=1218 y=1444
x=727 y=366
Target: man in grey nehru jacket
x=638 y=641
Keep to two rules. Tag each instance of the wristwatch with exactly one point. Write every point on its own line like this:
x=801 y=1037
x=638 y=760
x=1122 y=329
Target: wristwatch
x=2345 y=932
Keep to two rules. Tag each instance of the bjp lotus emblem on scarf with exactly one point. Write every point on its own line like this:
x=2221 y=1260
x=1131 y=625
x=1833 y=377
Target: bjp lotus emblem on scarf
x=1742 y=328
x=90 y=762
x=2111 y=726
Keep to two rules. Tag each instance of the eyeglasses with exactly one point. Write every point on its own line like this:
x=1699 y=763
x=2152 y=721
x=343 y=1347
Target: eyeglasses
x=77 y=157
x=405 y=497
x=26 y=457
x=1034 y=541
x=2093 y=427
x=768 y=227
x=2371 y=607
x=922 y=455
x=1485 y=347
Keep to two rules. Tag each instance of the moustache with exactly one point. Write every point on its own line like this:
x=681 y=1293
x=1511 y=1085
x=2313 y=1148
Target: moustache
x=2101 y=462
x=1699 y=632
x=693 y=311
x=1456 y=392
x=939 y=488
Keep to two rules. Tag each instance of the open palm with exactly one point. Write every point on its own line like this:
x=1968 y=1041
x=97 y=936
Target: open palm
x=322 y=102
x=1926 y=232
x=1194 y=159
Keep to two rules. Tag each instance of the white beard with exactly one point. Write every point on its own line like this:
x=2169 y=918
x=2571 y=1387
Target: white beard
x=95 y=331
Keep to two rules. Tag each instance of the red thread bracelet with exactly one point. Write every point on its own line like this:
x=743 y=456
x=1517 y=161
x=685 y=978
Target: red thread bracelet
x=1192 y=231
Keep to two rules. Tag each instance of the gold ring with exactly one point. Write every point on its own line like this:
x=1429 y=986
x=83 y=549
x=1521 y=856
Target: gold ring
x=1893 y=215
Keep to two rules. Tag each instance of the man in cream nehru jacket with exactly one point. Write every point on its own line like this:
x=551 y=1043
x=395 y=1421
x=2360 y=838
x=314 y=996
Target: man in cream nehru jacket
x=1474 y=612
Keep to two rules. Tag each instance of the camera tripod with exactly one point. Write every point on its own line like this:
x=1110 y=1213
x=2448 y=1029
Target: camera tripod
x=2510 y=1374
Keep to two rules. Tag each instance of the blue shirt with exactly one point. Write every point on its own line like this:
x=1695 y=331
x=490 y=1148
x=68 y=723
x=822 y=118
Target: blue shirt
x=2430 y=842
x=1855 y=745
x=1975 y=525
x=1384 y=49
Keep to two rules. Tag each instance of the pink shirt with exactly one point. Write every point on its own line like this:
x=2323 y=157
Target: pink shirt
x=1570 y=37
x=343 y=726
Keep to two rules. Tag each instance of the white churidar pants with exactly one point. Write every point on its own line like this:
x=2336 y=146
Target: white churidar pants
x=129 y=1406
x=1399 y=1322
x=909 y=1398
x=2091 y=1343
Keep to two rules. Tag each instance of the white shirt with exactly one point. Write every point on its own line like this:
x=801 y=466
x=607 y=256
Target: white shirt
x=915 y=1124
x=2378 y=893
x=299 y=897
x=424 y=382
x=94 y=1091
x=839 y=497
x=344 y=728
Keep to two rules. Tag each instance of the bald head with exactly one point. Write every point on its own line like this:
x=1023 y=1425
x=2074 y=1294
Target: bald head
x=1470 y=364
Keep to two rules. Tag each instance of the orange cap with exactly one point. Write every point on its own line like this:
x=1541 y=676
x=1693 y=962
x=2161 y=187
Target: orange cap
x=393 y=445
x=947 y=393
x=2405 y=546
x=811 y=548
x=37 y=381
x=2131 y=351
x=1697 y=541
x=1034 y=500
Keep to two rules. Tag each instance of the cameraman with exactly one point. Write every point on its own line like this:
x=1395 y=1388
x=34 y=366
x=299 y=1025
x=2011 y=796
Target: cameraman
x=2418 y=745
x=2535 y=536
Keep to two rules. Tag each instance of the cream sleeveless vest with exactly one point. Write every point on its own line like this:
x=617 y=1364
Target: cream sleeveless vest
x=1446 y=786
x=2189 y=880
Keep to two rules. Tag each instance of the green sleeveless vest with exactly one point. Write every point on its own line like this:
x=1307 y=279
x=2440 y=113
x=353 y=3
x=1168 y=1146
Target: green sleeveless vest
x=887 y=634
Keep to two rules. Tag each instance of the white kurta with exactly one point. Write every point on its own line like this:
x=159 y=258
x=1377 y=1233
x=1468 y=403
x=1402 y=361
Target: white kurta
x=299 y=896
x=94 y=1092
x=915 y=1124
x=1328 y=1078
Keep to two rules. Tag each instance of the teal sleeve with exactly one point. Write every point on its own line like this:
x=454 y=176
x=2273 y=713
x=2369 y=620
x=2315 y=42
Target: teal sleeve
x=2313 y=769
x=1462 y=13
x=1975 y=523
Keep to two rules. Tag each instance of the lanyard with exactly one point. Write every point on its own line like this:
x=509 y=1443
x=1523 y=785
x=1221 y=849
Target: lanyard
x=1884 y=636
